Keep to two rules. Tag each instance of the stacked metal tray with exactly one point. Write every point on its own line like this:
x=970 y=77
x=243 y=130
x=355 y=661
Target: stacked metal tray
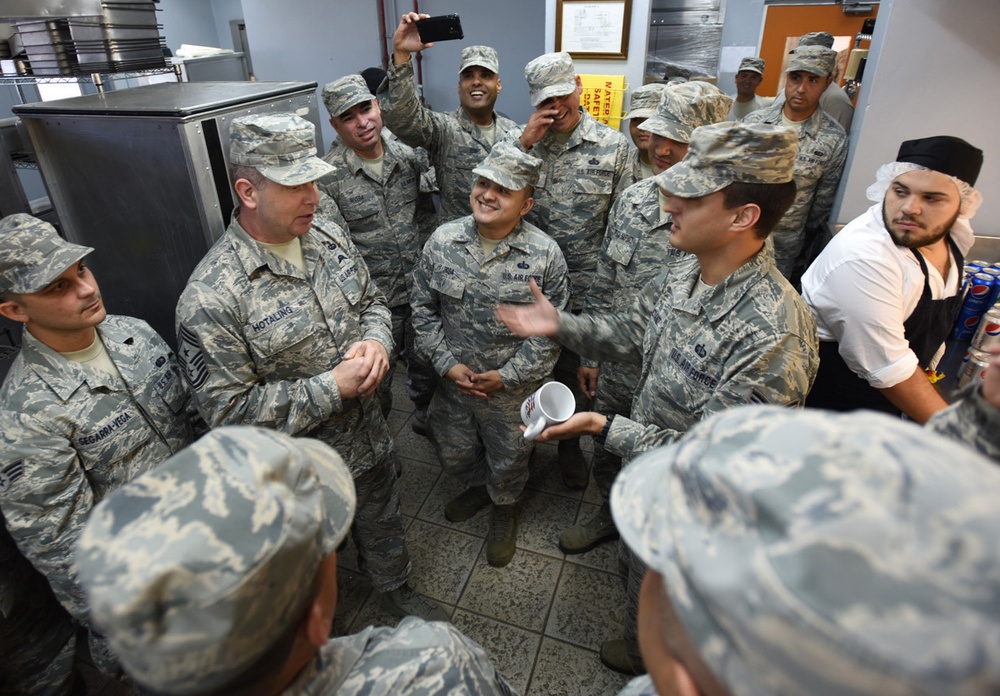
x=125 y=37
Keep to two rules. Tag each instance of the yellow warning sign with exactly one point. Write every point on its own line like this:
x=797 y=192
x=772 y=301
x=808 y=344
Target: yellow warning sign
x=603 y=96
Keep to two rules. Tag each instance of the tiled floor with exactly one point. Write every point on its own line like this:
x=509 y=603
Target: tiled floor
x=541 y=618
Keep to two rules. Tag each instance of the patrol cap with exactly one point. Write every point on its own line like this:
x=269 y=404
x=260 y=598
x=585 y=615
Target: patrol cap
x=282 y=147
x=195 y=568
x=32 y=254
x=817 y=38
x=483 y=56
x=946 y=154
x=753 y=64
x=808 y=552
x=644 y=100
x=340 y=95
x=550 y=75
x=817 y=60
x=684 y=107
x=510 y=167
x=722 y=153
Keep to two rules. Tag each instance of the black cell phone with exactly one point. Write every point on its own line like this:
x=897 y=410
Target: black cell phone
x=440 y=28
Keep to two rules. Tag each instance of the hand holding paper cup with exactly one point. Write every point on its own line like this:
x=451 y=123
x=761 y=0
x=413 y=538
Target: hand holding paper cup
x=551 y=403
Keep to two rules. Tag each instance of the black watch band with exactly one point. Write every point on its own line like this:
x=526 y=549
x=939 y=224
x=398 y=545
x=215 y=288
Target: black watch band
x=605 y=430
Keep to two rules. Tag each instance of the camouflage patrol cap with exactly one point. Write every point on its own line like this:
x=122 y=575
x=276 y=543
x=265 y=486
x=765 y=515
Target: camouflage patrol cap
x=817 y=38
x=753 y=64
x=483 y=56
x=195 y=568
x=808 y=552
x=721 y=153
x=550 y=75
x=644 y=100
x=340 y=95
x=817 y=60
x=510 y=167
x=282 y=147
x=32 y=254
x=684 y=107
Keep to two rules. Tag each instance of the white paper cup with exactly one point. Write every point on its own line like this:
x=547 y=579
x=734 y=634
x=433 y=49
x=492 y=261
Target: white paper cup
x=552 y=403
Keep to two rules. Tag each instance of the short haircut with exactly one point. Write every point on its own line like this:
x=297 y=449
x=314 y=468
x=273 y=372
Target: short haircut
x=772 y=199
x=242 y=171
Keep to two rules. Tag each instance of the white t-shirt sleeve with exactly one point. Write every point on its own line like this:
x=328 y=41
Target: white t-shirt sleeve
x=862 y=305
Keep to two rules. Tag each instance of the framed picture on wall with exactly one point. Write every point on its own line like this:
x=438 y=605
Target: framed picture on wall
x=593 y=28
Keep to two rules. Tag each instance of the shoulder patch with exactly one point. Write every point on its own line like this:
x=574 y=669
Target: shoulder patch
x=11 y=473
x=191 y=358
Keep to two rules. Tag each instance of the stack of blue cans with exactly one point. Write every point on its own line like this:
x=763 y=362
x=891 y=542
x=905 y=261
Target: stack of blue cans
x=982 y=289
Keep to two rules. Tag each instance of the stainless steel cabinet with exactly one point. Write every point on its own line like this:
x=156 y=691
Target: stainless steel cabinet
x=141 y=176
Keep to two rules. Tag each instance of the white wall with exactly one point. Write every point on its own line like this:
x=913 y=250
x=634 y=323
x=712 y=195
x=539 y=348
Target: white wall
x=741 y=33
x=223 y=11
x=188 y=21
x=935 y=71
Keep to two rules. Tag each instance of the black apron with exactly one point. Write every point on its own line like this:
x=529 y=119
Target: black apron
x=837 y=388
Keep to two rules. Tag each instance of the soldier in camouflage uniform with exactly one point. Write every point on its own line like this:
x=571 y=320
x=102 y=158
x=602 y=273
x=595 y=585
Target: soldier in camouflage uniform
x=641 y=107
x=820 y=162
x=585 y=165
x=636 y=249
x=456 y=141
x=257 y=618
x=800 y=552
x=375 y=182
x=90 y=402
x=281 y=326
x=722 y=329
x=468 y=266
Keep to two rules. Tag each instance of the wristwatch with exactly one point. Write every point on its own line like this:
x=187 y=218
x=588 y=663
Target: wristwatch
x=599 y=439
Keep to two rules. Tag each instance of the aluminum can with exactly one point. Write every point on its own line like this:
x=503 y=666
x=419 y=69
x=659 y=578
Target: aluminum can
x=988 y=334
x=973 y=367
x=977 y=293
x=995 y=272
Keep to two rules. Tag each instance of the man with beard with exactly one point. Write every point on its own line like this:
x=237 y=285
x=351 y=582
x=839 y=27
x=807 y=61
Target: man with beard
x=886 y=291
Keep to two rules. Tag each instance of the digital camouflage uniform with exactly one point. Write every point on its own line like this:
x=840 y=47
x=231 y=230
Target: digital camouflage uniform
x=748 y=339
x=381 y=219
x=417 y=657
x=971 y=420
x=259 y=340
x=37 y=635
x=809 y=552
x=637 y=248
x=255 y=582
x=452 y=140
x=818 y=166
x=71 y=433
x=455 y=293
x=576 y=187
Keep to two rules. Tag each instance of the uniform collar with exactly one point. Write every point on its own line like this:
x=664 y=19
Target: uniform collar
x=355 y=163
x=252 y=256
x=720 y=300
x=64 y=376
x=645 y=200
x=514 y=240
x=586 y=130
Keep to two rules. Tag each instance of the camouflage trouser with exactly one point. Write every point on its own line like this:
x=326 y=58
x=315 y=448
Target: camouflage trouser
x=615 y=388
x=379 y=530
x=421 y=379
x=479 y=441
